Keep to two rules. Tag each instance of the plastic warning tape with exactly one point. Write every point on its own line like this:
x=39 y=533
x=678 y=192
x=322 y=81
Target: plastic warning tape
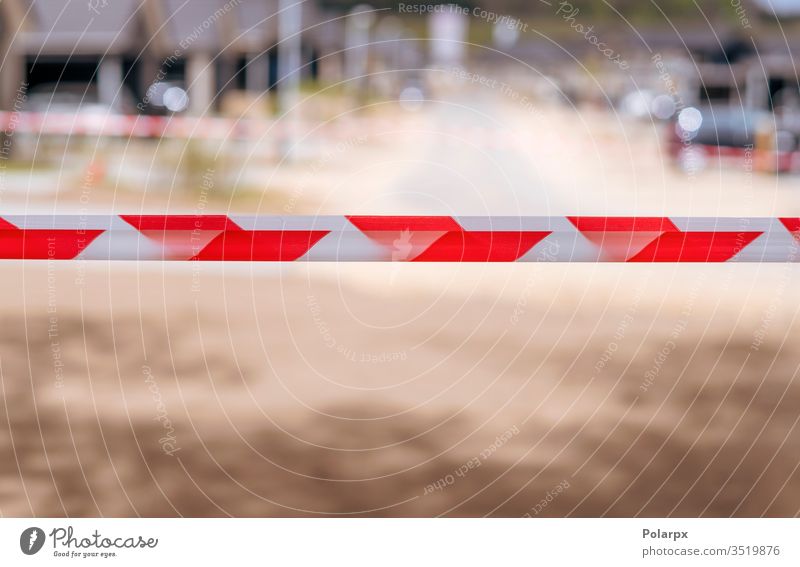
x=222 y=128
x=133 y=125
x=398 y=238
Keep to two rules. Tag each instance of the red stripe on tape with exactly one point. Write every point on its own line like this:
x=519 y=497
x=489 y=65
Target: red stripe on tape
x=180 y=222
x=792 y=225
x=623 y=224
x=695 y=247
x=261 y=245
x=481 y=246
x=5 y=225
x=45 y=244
x=375 y=223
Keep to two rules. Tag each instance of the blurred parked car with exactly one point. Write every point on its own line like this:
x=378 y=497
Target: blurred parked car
x=739 y=137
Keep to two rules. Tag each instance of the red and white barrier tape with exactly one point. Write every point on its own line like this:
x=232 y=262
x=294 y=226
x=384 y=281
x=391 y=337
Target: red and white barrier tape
x=222 y=128
x=130 y=125
x=399 y=238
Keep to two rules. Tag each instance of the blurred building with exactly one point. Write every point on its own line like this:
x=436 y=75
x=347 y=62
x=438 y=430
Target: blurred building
x=755 y=74
x=125 y=53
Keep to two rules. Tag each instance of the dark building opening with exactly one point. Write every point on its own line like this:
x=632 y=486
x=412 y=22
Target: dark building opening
x=715 y=94
x=775 y=85
x=272 y=56
x=55 y=70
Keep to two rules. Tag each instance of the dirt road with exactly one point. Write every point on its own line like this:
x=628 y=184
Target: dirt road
x=422 y=390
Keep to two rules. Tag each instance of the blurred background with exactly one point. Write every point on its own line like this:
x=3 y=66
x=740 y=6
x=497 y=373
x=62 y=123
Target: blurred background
x=161 y=389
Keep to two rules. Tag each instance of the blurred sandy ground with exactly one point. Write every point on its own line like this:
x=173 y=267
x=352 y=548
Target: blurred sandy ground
x=297 y=391
x=415 y=390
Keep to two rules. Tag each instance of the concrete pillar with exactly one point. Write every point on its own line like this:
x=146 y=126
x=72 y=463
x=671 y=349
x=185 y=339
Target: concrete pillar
x=756 y=91
x=226 y=77
x=357 y=34
x=331 y=67
x=147 y=73
x=201 y=83
x=256 y=74
x=13 y=88
x=109 y=82
x=448 y=33
x=290 y=57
